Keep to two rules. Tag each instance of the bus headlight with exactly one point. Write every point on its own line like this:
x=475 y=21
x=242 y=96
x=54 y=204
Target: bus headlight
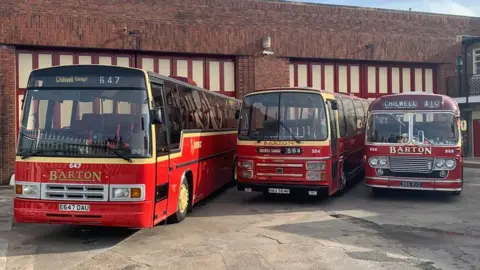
x=245 y=164
x=378 y=162
x=450 y=164
x=382 y=161
x=316 y=165
x=127 y=192
x=27 y=190
x=440 y=163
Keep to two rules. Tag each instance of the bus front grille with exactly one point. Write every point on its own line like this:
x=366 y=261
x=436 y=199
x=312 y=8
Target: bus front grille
x=412 y=164
x=74 y=192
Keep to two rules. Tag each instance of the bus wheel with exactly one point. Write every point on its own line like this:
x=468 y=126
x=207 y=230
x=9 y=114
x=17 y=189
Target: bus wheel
x=183 y=201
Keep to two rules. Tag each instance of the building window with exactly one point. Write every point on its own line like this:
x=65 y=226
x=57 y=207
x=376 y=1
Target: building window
x=476 y=61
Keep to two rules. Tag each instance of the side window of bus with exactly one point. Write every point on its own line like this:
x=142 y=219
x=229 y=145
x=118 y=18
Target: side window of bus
x=160 y=130
x=174 y=112
x=351 y=120
x=360 y=113
x=341 y=118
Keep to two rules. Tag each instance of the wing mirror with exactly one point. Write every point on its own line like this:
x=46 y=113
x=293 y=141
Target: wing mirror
x=156 y=116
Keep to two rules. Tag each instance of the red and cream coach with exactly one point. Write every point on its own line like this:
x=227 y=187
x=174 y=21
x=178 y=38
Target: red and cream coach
x=115 y=146
x=413 y=141
x=300 y=140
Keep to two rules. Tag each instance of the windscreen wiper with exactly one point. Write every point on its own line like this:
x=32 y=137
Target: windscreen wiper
x=112 y=150
x=34 y=153
x=291 y=133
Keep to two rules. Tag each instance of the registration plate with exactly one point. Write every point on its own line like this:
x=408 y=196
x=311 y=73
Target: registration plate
x=411 y=184
x=74 y=207
x=279 y=190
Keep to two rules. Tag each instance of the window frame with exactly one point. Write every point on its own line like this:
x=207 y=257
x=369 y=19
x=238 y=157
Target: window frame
x=341 y=119
x=354 y=130
x=475 y=62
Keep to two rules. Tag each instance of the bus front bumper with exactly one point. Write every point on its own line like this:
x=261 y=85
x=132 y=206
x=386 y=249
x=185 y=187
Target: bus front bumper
x=446 y=185
x=287 y=189
x=114 y=214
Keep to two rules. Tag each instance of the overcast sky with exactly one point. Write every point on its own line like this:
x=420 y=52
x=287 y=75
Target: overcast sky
x=454 y=7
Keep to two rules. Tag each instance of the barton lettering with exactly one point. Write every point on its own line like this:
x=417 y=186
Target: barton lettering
x=410 y=150
x=75 y=176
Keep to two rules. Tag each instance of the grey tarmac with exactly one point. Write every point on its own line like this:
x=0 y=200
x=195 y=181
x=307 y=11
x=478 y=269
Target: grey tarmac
x=235 y=230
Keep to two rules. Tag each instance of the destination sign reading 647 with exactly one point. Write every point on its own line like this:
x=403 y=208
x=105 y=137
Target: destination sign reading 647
x=87 y=76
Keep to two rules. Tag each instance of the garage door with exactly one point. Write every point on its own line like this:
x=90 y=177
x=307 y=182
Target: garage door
x=210 y=73
x=363 y=80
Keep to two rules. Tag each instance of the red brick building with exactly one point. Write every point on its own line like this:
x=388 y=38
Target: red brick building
x=219 y=43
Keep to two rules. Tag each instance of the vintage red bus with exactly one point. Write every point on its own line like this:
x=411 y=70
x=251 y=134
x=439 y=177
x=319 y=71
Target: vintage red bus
x=413 y=141
x=299 y=140
x=115 y=146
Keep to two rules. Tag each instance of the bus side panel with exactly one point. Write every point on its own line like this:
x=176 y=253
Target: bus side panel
x=205 y=157
x=162 y=185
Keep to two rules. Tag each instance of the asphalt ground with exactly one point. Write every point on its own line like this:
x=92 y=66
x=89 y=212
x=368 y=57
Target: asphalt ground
x=236 y=230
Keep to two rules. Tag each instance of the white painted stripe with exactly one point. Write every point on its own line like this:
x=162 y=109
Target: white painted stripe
x=372 y=82
x=229 y=76
x=406 y=80
x=342 y=79
x=164 y=67
x=123 y=61
x=329 y=78
x=429 y=80
x=214 y=72
x=418 y=80
x=105 y=60
x=25 y=66
x=84 y=59
x=66 y=60
x=291 y=68
x=182 y=68
x=354 y=79
x=395 y=80
x=383 y=80
x=147 y=64
x=302 y=75
x=317 y=76
x=198 y=74
x=45 y=60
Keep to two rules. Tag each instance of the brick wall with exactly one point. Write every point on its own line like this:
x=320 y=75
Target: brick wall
x=244 y=75
x=271 y=71
x=234 y=27
x=7 y=110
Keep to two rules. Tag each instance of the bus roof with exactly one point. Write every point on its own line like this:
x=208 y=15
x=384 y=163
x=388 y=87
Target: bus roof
x=303 y=89
x=414 y=101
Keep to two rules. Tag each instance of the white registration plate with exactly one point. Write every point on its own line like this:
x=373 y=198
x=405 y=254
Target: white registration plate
x=74 y=207
x=279 y=190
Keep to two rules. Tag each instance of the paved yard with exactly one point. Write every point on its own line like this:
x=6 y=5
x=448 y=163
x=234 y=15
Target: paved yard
x=233 y=230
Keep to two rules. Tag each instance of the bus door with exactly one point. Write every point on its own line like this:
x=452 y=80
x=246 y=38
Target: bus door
x=159 y=177
x=334 y=148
